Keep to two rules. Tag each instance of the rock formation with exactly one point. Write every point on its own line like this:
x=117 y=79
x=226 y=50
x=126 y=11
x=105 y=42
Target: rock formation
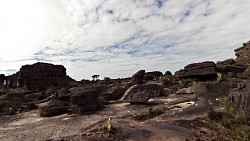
x=41 y=76
x=142 y=93
x=138 y=77
x=204 y=71
x=229 y=67
x=243 y=57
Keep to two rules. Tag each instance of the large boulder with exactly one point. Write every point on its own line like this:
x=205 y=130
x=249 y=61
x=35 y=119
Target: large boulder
x=152 y=75
x=40 y=76
x=240 y=97
x=63 y=94
x=86 y=100
x=138 y=77
x=208 y=90
x=54 y=108
x=113 y=93
x=203 y=71
x=142 y=93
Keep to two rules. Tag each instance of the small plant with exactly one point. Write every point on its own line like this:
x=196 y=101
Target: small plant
x=219 y=76
x=110 y=126
x=228 y=105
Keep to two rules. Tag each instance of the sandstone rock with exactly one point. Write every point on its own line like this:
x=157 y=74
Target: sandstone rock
x=54 y=108
x=229 y=66
x=203 y=71
x=63 y=94
x=240 y=97
x=243 y=58
x=36 y=96
x=86 y=100
x=138 y=77
x=184 y=91
x=40 y=76
x=142 y=93
x=114 y=93
x=152 y=75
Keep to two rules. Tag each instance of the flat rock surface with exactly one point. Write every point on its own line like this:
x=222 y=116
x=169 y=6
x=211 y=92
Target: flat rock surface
x=29 y=126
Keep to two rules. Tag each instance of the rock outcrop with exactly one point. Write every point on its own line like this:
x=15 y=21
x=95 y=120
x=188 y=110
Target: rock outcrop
x=142 y=93
x=229 y=67
x=138 y=77
x=203 y=71
x=86 y=100
x=243 y=57
x=40 y=76
x=240 y=97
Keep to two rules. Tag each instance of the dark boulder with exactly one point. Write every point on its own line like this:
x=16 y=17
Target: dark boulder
x=63 y=94
x=142 y=93
x=201 y=71
x=152 y=75
x=114 y=93
x=54 y=108
x=167 y=73
x=41 y=76
x=138 y=77
x=86 y=100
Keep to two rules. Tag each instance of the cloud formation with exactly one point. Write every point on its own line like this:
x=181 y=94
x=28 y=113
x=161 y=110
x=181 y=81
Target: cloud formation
x=116 y=38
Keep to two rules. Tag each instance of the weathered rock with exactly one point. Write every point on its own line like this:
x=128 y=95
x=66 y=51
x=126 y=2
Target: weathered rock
x=243 y=58
x=54 y=108
x=240 y=97
x=36 y=96
x=142 y=93
x=63 y=94
x=40 y=76
x=86 y=100
x=138 y=77
x=203 y=71
x=184 y=91
x=114 y=93
x=152 y=75
x=229 y=67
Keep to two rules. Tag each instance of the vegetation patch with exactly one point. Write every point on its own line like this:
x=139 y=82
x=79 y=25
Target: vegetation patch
x=228 y=125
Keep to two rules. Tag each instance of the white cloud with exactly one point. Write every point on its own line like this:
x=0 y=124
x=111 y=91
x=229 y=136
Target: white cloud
x=115 y=38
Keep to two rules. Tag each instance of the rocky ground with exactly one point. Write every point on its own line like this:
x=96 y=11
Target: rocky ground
x=202 y=101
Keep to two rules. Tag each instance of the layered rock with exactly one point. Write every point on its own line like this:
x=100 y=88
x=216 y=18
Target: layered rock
x=243 y=57
x=229 y=67
x=240 y=97
x=204 y=70
x=142 y=93
x=40 y=76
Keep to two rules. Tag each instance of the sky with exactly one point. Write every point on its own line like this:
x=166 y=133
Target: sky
x=116 y=38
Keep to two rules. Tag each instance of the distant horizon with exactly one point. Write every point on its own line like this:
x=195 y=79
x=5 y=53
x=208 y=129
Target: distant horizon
x=116 y=38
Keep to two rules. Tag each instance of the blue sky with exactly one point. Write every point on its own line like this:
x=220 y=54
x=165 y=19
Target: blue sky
x=115 y=38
